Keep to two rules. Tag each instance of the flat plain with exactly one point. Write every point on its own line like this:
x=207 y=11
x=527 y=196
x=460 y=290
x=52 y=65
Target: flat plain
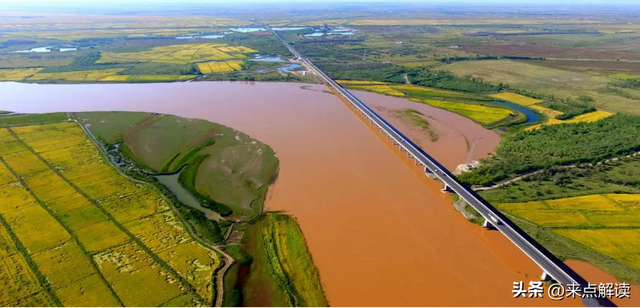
x=107 y=241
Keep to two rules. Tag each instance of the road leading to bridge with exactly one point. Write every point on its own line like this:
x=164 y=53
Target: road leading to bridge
x=550 y=265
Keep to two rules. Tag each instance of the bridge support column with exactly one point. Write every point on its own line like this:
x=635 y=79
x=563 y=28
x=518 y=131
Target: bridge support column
x=429 y=173
x=488 y=225
x=447 y=189
x=545 y=276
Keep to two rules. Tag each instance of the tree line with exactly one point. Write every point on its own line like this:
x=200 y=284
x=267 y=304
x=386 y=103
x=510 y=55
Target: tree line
x=562 y=144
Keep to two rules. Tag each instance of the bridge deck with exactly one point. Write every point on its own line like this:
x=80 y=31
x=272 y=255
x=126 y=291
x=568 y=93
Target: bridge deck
x=497 y=219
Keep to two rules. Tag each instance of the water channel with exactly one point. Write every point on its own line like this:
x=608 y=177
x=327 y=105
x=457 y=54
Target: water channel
x=380 y=233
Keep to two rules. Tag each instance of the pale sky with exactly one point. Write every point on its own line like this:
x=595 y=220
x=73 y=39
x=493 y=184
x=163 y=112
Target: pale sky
x=512 y=2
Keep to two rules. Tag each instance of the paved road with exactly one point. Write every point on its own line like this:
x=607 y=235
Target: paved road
x=549 y=263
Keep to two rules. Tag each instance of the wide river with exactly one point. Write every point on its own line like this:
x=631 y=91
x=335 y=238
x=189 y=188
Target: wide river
x=380 y=233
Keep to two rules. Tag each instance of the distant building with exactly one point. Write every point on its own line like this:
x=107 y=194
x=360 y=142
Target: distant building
x=326 y=27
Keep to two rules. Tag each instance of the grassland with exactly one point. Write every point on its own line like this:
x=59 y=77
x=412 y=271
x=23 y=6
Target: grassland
x=516 y=98
x=275 y=267
x=558 y=83
x=602 y=229
x=108 y=241
x=291 y=264
x=225 y=165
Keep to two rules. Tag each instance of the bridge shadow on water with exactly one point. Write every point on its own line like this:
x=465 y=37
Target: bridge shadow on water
x=436 y=185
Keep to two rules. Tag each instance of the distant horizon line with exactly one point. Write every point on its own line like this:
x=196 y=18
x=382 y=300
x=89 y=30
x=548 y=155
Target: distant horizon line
x=510 y=3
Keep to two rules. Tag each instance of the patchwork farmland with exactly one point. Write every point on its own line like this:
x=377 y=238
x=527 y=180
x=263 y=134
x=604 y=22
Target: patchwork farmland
x=179 y=54
x=108 y=241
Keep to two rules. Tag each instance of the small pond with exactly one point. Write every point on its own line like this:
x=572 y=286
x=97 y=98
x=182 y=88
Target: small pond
x=247 y=30
x=267 y=59
x=290 y=67
x=47 y=49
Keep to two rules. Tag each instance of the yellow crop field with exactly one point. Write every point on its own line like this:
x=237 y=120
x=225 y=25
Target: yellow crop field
x=48 y=186
x=620 y=244
x=154 y=78
x=91 y=75
x=219 y=66
x=479 y=113
x=162 y=233
x=629 y=201
x=11 y=147
x=615 y=219
x=179 y=54
x=20 y=287
x=5 y=136
x=590 y=117
x=591 y=202
x=101 y=236
x=194 y=263
x=14 y=198
x=64 y=264
x=28 y=224
x=136 y=277
x=551 y=114
x=384 y=89
x=161 y=264
x=553 y=218
x=87 y=292
x=7 y=246
x=17 y=74
x=6 y=176
x=24 y=164
x=115 y=78
x=134 y=206
x=516 y=98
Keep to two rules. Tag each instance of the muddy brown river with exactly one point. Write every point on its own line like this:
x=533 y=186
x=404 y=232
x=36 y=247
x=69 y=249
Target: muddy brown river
x=380 y=233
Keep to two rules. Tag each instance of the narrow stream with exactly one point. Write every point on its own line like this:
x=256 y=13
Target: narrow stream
x=170 y=181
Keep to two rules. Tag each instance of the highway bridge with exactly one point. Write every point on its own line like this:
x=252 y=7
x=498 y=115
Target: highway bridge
x=552 y=268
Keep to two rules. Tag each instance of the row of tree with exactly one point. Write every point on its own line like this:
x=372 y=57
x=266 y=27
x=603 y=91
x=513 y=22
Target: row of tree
x=562 y=144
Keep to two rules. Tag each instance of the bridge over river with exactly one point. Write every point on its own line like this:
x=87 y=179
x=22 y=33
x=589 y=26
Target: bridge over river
x=552 y=268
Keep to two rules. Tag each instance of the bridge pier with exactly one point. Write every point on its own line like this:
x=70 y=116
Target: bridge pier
x=447 y=189
x=429 y=173
x=488 y=225
x=546 y=277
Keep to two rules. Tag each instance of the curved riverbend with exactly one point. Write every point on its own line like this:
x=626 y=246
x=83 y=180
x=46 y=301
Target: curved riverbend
x=380 y=233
